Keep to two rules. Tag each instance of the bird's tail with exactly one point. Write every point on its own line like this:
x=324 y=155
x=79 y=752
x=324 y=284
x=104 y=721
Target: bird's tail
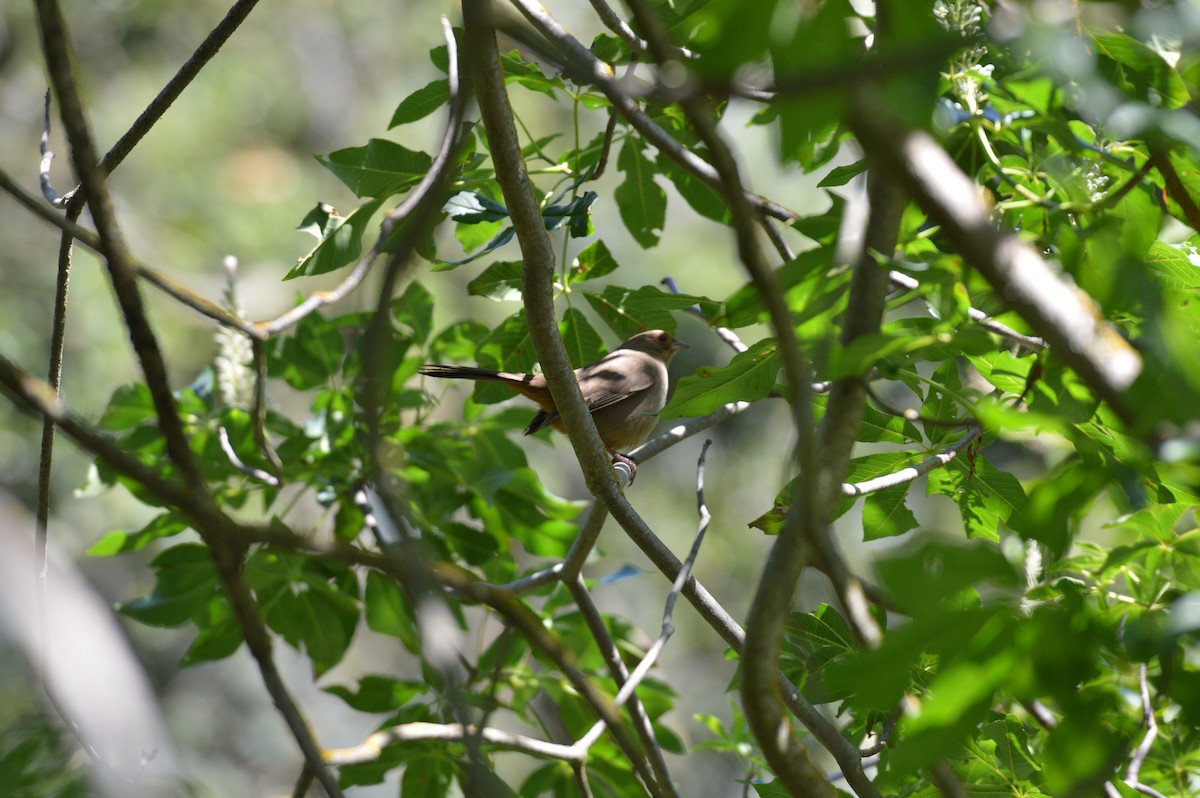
x=473 y=373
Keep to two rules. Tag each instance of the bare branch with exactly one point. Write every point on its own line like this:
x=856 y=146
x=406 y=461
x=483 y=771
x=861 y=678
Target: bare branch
x=187 y=73
x=371 y=748
x=906 y=475
x=48 y=191
x=620 y=674
x=906 y=283
x=1133 y=772
x=537 y=277
x=236 y=462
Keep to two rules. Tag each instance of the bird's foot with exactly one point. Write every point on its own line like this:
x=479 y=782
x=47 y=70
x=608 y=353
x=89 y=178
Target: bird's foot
x=628 y=462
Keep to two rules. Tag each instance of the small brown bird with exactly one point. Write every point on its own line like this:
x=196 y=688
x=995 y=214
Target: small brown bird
x=623 y=390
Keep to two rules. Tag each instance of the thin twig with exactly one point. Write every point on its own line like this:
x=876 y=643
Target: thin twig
x=618 y=26
x=1175 y=188
x=58 y=330
x=47 y=154
x=1133 y=772
x=906 y=283
x=370 y=749
x=585 y=541
x=187 y=73
x=628 y=688
x=620 y=674
x=883 y=738
x=236 y=462
x=906 y=475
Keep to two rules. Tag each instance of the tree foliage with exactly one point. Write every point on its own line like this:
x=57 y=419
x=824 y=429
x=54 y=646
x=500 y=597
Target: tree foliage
x=998 y=307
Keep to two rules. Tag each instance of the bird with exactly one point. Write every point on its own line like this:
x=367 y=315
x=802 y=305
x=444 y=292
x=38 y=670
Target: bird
x=624 y=390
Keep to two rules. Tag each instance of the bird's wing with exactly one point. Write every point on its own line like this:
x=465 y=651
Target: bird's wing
x=614 y=378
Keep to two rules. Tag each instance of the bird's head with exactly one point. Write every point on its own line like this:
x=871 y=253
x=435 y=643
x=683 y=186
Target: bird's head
x=659 y=343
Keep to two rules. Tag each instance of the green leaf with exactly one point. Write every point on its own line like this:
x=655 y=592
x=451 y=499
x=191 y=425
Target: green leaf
x=749 y=376
x=414 y=310
x=186 y=582
x=500 y=281
x=471 y=207
x=628 y=312
x=595 y=260
x=697 y=194
x=379 y=693
x=129 y=406
x=641 y=202
x=1152 y=70
x=312 y=603
x=885 y=514
x=390 y=612
x=220 y=635
x=1177 y=266
x=880 y=427
x=841 y=175
x=308 y=357
x=576 y=215
x=380 y=169
x=509 y=347
x=926 y=577
x=580 y=338
x=984 y=494
x=421 y=103
x=341 y=245
x=120 y=541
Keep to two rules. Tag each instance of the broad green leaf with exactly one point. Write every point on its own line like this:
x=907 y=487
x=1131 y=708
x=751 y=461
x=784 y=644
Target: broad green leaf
x=129 y=406
x=841 y=175
x=1177 y=266
x=185 y=582
x=414 y=310
x=641 y=202
x=885 y=514
x=509 y=347
x=702 y=199
x=380 y=169
x=580 y=338
x=576 y=215
x=628 y=312
x=749 y=376
x=312 y=603
x=341 y=246
x=1145 y=62
x=471 y=207
x=378 y=693
x=880 y=427
x=595 y=260
x=120 y=541
x=421 y=103
x=389 y=611
x=308 y=357
x=985 y=495
x=500 y=281
x=220 y=635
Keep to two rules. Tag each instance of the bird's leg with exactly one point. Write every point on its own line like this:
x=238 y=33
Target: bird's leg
x=617 y=457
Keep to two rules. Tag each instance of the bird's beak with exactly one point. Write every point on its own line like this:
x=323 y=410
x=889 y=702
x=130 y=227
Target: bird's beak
x=678 y=346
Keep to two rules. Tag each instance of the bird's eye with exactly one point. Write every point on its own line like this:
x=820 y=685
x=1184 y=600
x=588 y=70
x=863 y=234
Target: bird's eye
x=662 y=338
